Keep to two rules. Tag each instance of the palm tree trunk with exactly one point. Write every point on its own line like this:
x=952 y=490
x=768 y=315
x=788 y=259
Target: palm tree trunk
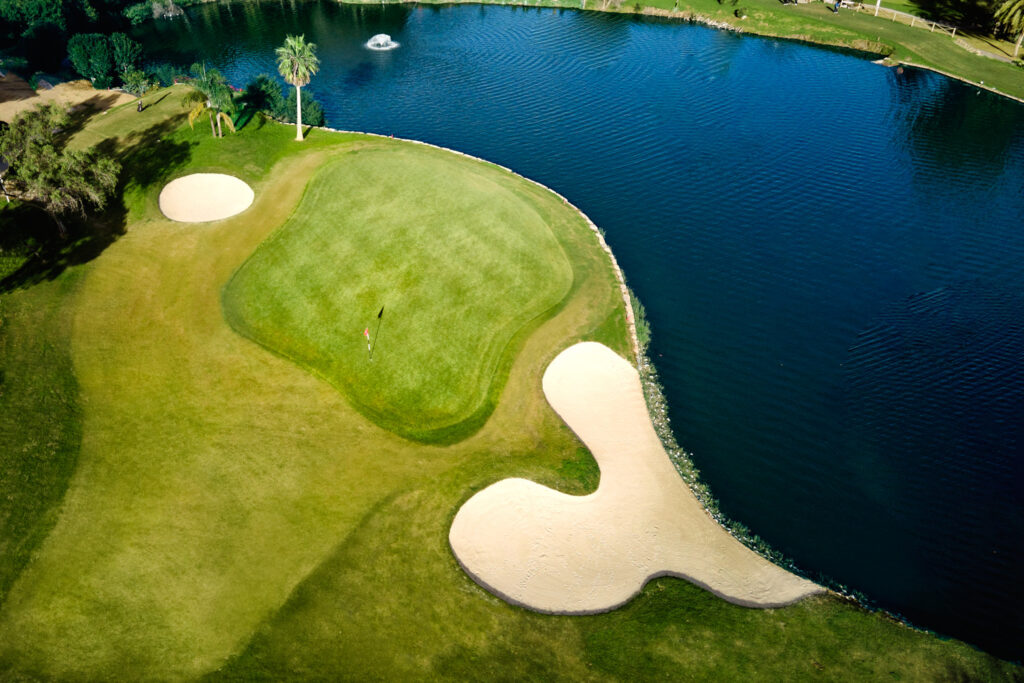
x=1016 y=48
x=220 y=132
x=298 y=113
x=212 y=129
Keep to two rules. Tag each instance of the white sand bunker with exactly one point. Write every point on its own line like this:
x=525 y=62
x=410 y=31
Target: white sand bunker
x=554 y=552
x=202 y=197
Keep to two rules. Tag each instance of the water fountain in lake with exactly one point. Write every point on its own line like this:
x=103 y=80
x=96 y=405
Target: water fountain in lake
x=381 y=41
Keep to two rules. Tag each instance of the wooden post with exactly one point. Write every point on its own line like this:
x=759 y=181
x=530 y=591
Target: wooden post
x=912 y=20
x=878 y=5
x=954 y=32
x=933 y=28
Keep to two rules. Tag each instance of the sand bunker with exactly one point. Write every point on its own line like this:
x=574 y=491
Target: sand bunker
x=554 y=552
x=204 y=197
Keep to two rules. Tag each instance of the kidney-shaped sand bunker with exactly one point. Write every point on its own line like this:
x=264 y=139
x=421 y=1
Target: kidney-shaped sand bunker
x=202 y=197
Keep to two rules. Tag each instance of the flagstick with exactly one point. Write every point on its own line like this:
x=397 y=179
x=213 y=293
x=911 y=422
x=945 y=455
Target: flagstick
x=380 y=320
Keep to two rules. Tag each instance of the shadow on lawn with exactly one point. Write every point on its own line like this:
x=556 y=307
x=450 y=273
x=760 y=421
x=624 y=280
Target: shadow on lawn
x=973 y=14
x=82 y=113
x=146 y=158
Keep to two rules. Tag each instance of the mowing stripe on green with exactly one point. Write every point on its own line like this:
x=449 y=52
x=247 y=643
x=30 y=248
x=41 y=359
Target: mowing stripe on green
x=458 y=261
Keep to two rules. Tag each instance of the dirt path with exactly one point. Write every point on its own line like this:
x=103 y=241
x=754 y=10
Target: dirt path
x=16 y=96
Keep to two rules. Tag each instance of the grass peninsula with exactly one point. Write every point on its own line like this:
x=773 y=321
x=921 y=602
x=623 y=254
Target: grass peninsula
x=193 y=486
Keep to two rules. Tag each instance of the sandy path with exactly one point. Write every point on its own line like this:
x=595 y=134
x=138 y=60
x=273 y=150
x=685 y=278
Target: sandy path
x=16 y=96
x=204 y=197
x=554 y=552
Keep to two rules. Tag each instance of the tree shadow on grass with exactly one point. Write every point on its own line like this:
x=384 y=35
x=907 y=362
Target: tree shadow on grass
x=82 y=113
x=975 y=14
x=150 y=155
x=147 y=157
x=51 y=255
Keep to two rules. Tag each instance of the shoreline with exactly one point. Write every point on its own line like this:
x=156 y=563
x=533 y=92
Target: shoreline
x=955 y=77
x=657 y=408
x=867 y=49
x=653 y=396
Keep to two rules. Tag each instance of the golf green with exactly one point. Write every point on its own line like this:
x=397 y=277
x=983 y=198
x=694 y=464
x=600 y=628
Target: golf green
x=430 y=261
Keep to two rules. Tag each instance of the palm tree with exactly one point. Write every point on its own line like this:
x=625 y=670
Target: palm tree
x=210 y=95
x=297 y=63
x=1010 y=15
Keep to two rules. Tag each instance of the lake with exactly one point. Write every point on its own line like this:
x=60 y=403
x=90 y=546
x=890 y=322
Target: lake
x=830 y=253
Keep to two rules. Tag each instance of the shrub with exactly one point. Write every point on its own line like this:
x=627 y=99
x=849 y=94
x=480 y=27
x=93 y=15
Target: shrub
x=312 y=112
x=33 y=81
x=92 y=56
x=138 y=13
x=163 y=73
x=264 y=94
x=135 y=82
x=125 y=51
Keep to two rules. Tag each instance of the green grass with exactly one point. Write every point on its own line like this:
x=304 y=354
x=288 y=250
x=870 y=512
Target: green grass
x=40 y=428
x=459 y=258
x=384 y=606
x=231 y=515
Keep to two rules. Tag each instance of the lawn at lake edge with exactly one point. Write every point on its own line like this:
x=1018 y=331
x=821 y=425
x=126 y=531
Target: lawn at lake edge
x=227 y=502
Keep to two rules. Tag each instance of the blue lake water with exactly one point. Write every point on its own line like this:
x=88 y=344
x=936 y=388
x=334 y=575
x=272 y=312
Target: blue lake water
x=830 y=252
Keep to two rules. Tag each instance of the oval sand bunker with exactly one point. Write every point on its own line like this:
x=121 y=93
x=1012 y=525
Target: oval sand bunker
x=202 y=197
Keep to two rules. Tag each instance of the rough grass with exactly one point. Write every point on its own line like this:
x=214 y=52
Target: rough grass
x=391 y=604
x=213 y=475
x=40 y=427
x=457 y=259
x=233 y=516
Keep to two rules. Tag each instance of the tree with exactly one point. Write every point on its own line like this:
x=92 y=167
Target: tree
x=263 y=93
x=297 y=63
x=1010 y=16
x=211 y=95
x=126 y=52
x=44 y=174
x=92 y=56
x=135 y=82
x=23 y=15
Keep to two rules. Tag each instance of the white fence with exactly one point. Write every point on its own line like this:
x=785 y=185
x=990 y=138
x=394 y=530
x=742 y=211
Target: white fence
x=902 y=17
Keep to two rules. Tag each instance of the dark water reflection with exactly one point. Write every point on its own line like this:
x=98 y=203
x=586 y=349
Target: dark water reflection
x=830 y=253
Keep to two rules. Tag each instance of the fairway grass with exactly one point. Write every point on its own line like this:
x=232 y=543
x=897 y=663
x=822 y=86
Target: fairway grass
x=455 y=254
x=230 y=515
x=40 y=422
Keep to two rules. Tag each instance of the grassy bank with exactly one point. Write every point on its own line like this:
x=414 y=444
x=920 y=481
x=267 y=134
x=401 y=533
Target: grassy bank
x=816 y=23
x=233 y=516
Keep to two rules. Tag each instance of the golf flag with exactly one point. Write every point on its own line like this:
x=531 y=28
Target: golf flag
x=366 y=333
